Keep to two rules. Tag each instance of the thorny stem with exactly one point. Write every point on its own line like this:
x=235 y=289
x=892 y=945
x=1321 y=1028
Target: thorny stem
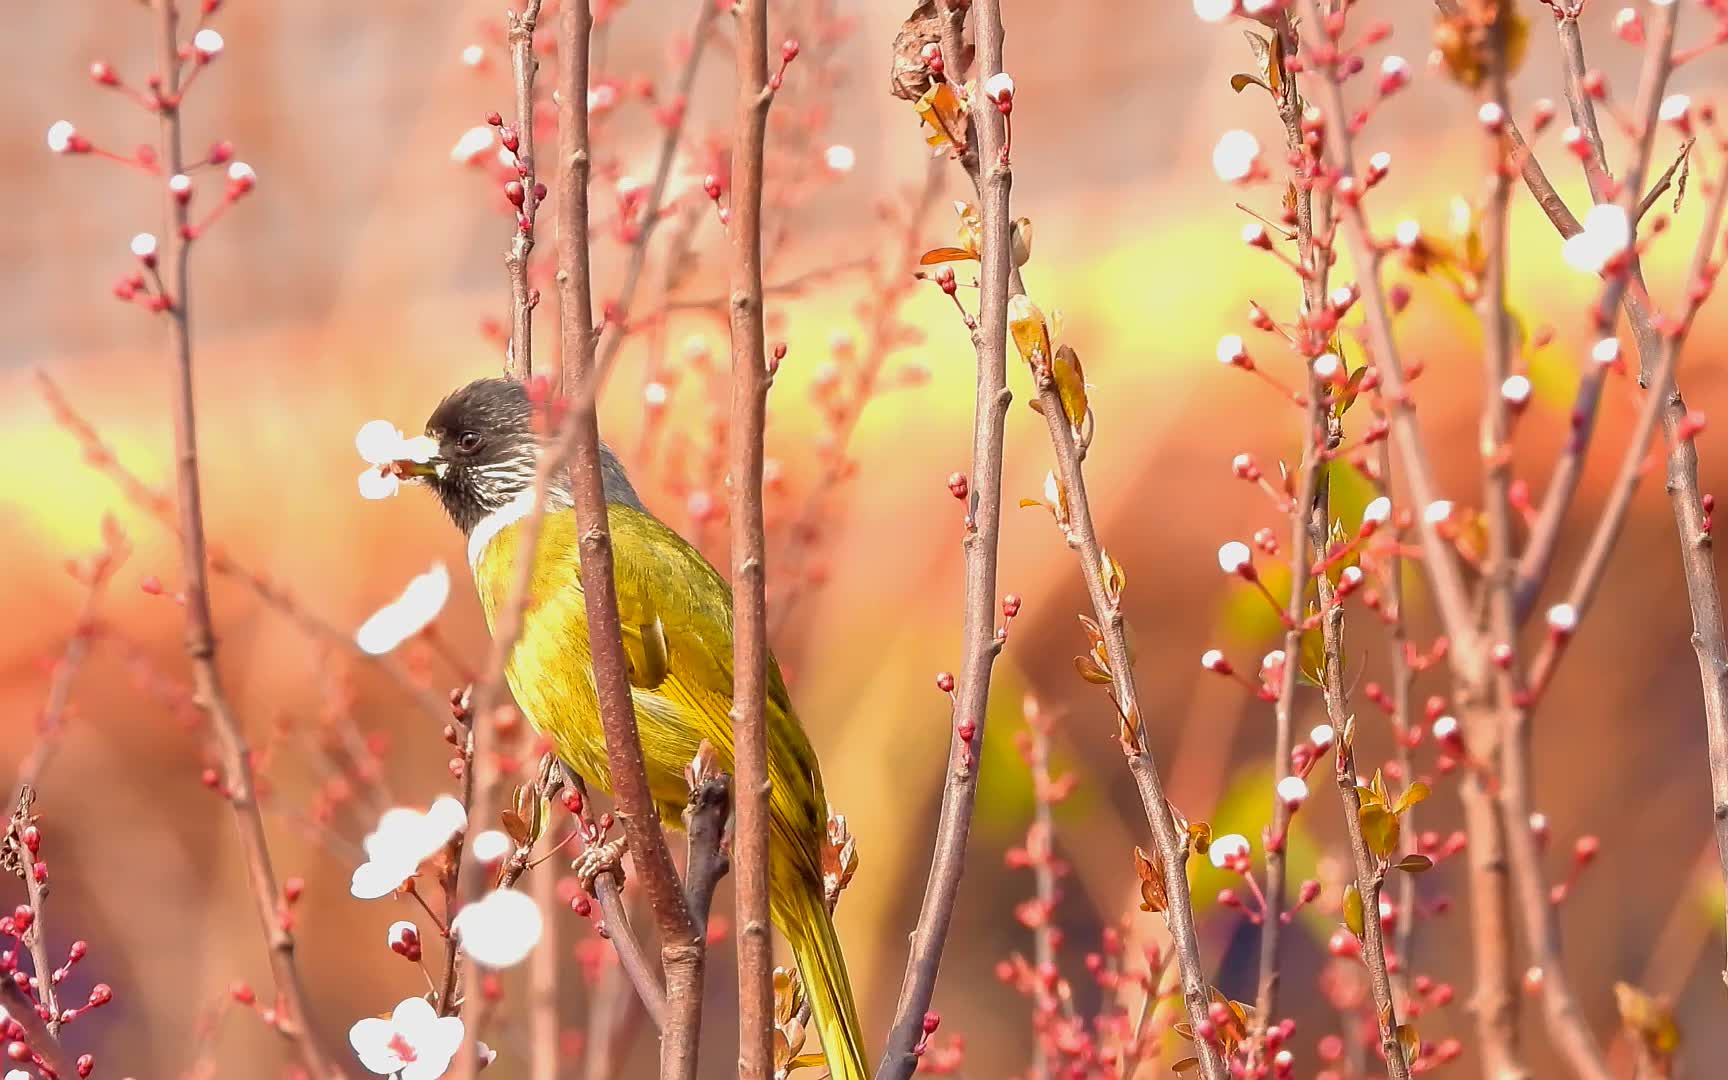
x=983 y=527
x=1308 y=508
x=200 y=634
x=681 y=941
x=749 y=554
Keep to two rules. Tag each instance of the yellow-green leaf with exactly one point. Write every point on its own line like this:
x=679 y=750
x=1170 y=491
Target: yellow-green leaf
x=1353 y=910
x=1380 y=830
x=1413 y=794
x=1070 y=381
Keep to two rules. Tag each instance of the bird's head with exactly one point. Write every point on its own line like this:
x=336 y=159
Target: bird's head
x=487 y=452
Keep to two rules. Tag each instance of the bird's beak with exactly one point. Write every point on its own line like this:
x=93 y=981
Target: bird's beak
x=409 y=469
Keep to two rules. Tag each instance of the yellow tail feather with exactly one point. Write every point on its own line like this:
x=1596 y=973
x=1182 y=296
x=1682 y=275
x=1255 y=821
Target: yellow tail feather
x=822 y=968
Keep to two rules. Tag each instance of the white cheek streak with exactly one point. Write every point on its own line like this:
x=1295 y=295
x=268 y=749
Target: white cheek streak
x=497 y=521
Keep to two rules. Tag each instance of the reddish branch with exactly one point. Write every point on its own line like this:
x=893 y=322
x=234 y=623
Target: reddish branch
x=749 y=550
x=983 y=527
x=1309 y=508
x=681 y=941
x=296 y=1022
x=671 y=133
x=520 y=31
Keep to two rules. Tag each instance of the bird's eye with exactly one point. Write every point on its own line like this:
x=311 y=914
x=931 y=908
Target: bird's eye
x=468 y=442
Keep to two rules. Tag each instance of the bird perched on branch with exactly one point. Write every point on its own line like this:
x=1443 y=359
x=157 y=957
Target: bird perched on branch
x=676 y=614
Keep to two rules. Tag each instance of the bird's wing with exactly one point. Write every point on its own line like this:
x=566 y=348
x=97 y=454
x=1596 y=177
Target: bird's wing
x=672 y=601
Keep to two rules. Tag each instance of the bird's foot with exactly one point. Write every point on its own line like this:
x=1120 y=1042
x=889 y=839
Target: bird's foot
x=597 y=859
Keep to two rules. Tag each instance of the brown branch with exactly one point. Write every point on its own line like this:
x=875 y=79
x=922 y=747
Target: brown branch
x=749 y=551
x=1370 y=869
x=681 y=942
x=44 y=1049
x=706 y=862
x=980 y=541
x=200 y=634
x=1306 y=511
x=670 y=135
x=519 y=29
x=1403 y=683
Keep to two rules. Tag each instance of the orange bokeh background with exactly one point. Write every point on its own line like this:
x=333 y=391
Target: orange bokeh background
x=353 y=284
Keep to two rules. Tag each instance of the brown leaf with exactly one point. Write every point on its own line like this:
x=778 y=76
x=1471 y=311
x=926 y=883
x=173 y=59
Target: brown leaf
x=1414 y=864
x=1114 y=579
x=1150 y=870
x=1650 y=1018
x=1241 y=82
x=839 y=858
x=1020 y=241
x=1091 y=672
x=911 y=76
x=1186 y=1065
x=1409 y=1042
x=1199 y=837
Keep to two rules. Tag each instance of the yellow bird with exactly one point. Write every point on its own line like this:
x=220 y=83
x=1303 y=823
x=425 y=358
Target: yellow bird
x=676 y=612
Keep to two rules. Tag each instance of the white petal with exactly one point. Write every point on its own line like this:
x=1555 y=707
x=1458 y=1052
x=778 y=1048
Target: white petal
x=378 y=441
x=491 y=845
x=448 y=816
x=370 y=1039
x=60 y=137
x=474 y=142
x=501 y=928
x=374 y=881
x=421 y=448
x=1226 y=848
x=378 y=485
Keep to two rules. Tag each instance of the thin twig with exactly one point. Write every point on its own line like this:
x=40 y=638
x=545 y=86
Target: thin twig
x=35 y=936
x=296 y=1024
x=749 y=550
x=1305 y=511
x=519 y=28
x=982 y=531
x=670 y=135
x=706 y=860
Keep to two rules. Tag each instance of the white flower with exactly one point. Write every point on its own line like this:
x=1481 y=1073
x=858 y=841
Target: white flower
x=242 y=173
x=404 y=839
x=144 y=245
x=1395 y=67
x=1212 y=659
x=1379 y=511
x=999 y=87
x=1491 y=115
x=1445 y=727
x=655 y=394
x=180 y=183
x=1606 y=234
x=840 y=158
x=474 y=142
x=1321 y=736
x=377 y=484
x=60 y=136
x=1214 y=10
x=491 y=845
x=1408 y=233
x=380 y=443
x=414 y=1044
x=1437 y=511
x=1606 y=351
x=1231 y=350
x=1327 y=367
x=1516 y=389
x=500 y=929
x=401 y=934
x=1674 y=108
x=1271 y=660
x=1235 y=156
x=1227 y=849
x=208 y=42
x=1563 y=618
x=1254 y=234
x=1233 y=556
x=1292 y=790
x=406 y=615
x=473 y=55
x=18 y=1074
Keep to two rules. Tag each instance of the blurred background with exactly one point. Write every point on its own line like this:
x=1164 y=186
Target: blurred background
x=364 y=278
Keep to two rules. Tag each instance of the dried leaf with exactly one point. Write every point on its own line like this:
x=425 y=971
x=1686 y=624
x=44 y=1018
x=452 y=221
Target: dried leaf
x=1353 y=909
x=1380 y=829
x=1070 y=381
x=1409 y=1042
x=1091 y=672
x=1241 y=82
x=1199 y=837
x=1020 y=241
x=1150 y=870
x=1414 y=864
x=1186 y=1065
x=944 y=114
x=839 y=858
x=910 y=77
x=1031 y=332
x=1465 y=43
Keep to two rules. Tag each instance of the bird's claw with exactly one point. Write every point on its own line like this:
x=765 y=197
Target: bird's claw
x=597 y=859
